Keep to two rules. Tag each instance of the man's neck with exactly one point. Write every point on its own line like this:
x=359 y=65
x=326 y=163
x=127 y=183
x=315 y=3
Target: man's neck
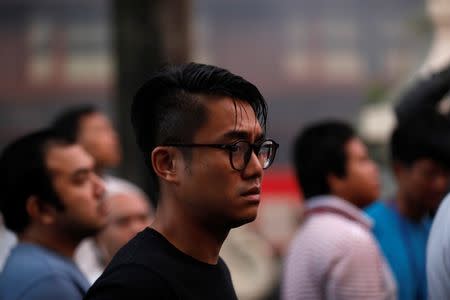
x=57 y=243
x=348 y=199
x=407 y=208
x=191 y=237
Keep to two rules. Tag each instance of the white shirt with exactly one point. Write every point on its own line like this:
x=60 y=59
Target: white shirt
x=253 y=267
x=88 y=258
x=334 y=256
x=7 y=241
x=438 y=254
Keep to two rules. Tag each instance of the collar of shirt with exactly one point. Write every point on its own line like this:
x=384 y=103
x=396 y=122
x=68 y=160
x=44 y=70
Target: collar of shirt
x=331 y=203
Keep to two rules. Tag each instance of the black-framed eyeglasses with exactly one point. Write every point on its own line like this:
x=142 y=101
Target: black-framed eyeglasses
x=241 y=151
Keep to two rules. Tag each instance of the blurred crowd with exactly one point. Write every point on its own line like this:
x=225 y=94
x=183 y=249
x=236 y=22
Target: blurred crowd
x=349 y=243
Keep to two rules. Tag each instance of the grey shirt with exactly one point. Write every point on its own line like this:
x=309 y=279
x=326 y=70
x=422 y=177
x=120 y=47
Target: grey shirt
x=438 y=254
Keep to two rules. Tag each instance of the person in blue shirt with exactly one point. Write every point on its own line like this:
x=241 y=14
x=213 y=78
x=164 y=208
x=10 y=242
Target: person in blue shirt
x=51 y=197
x=420 y=154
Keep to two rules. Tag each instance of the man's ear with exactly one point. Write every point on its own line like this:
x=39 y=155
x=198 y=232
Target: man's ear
x=397 y=169
x=41 y=212
x=166 y=162
x=335 y=183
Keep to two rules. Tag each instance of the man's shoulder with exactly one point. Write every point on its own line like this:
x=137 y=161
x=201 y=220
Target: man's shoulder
x=138 y=268
x=130 y=281
x=146 y=248
x=33 y=260
x=378 y=210
x=44 y=286
x=332 y=224
x=331 y=231
x=34 y=270
x=147 y=252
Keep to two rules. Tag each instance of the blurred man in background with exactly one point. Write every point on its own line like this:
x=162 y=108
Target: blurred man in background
x=51 y=197
x=129 y=212
x=420 y=159
x=333 y=255
x=94 y=131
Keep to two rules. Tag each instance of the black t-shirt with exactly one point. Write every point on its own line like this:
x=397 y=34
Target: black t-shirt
x=150 y=267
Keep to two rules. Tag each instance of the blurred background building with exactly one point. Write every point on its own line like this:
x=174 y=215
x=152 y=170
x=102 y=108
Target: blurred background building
x=311 y=59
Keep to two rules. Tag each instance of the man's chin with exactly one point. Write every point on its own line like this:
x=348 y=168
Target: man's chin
x=90 y=231
x=243 y=221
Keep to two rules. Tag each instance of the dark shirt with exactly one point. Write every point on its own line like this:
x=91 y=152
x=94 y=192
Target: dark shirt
x=150 y=267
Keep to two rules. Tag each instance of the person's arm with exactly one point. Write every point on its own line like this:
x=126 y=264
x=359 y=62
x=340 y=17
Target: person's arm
x=360 y=272
x=423 y=94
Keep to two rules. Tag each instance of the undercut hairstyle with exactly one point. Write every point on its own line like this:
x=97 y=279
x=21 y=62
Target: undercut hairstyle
x=169 y=107
x=24 y=173
x=68 y=122
x=319 y=151
x=425 y=137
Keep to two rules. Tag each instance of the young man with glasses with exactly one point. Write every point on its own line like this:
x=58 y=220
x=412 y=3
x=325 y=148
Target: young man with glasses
x=202 y=132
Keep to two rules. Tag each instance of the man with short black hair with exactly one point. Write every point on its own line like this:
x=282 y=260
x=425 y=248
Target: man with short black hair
x=202 y=133
x=91 y=128
x=333 y=255
x=420 y=155
x=420 y=161
x=51 y=197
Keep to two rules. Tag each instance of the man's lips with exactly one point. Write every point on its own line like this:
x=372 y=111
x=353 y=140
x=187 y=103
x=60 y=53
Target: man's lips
x=252 y=194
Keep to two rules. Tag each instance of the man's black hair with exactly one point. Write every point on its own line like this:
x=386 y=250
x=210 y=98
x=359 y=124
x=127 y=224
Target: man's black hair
x=320 y=150
x=67 y=123
x=426 y=136
x=169 y=107
x=24 y=173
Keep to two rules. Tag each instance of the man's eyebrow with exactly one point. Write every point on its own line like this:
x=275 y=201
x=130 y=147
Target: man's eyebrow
x=237 y=134
x=81 y=172
x=242 y=135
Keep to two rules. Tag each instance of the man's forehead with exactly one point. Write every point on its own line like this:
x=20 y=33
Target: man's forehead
x=93 y=116
x=67 y=158
x=238 y=110
x=238 y=115
x=94 y=119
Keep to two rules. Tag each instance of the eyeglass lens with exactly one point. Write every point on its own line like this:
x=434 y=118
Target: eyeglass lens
x=243 y=151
